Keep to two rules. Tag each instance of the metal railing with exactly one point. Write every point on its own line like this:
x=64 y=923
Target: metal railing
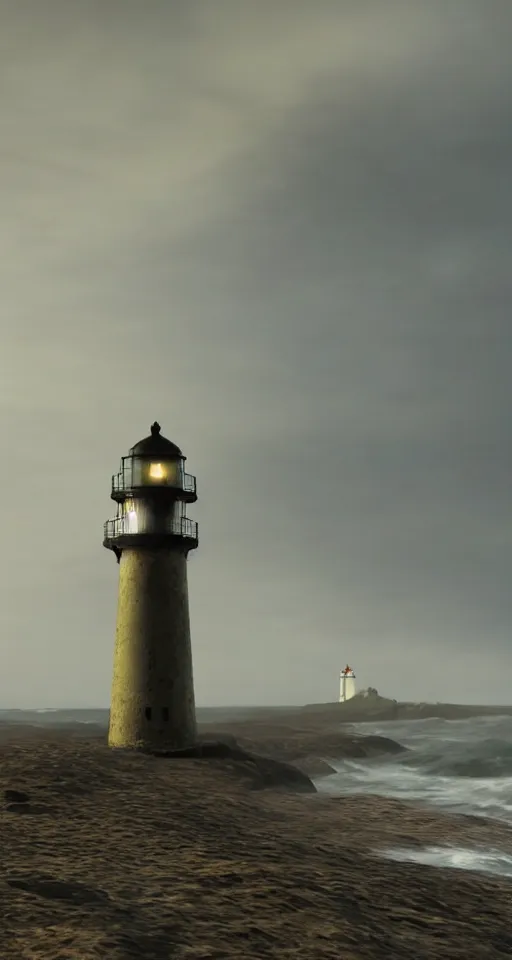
x=123 y=483
x=121 y=527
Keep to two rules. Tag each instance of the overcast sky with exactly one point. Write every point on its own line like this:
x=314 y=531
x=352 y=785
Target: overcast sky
x=283 y=229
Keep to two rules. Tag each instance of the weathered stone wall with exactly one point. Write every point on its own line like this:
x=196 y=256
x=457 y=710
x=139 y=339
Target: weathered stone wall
x=152 y=703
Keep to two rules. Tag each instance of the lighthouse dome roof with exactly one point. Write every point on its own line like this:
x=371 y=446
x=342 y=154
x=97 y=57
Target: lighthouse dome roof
x=155 y=445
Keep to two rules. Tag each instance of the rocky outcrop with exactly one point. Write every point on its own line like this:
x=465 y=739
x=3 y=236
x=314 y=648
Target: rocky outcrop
x=258 y=772
x=314 y=767
x=309 y=750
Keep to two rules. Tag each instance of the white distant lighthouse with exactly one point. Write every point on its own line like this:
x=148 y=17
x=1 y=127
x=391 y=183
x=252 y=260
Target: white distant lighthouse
x=347 y=684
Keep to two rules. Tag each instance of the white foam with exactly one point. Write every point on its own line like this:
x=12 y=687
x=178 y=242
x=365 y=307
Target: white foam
x=459 y=858
x=485 y=797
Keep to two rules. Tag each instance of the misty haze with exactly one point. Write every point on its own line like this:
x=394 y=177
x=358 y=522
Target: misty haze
x=289 y=239
x=267 y=245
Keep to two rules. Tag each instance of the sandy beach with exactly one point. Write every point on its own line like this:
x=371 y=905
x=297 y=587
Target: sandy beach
x=121 y=855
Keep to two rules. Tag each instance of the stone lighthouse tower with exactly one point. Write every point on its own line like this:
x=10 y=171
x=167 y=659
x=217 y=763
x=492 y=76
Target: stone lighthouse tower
x=152 y=704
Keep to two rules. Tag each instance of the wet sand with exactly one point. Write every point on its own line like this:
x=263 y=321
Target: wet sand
x=117 y=855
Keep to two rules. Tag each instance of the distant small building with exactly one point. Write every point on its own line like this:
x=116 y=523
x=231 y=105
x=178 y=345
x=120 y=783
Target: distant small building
x=347 y=684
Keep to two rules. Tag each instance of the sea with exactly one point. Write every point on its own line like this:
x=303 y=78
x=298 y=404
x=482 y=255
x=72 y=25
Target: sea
x=459 y=766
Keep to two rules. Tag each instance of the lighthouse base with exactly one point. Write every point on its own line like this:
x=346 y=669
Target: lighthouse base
x=152 y=704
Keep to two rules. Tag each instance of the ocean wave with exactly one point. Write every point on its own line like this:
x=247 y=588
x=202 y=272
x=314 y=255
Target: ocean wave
x=461 y=766
x=459 y=858
x=480 y=759
x=484 y=797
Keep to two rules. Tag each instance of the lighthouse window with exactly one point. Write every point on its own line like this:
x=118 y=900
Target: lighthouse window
x=165 y=473
x=130 y=514
x=156 y=471
x=127 y=472
x=147 y=713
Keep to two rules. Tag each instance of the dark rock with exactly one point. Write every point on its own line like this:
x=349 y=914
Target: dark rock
x=265 y=773
x=52 y=889
x=227 y=738
x=262 y=772
x=16 y=796
x=26 y=808
x=378 y=746
x=314 y=766
x=310 y=750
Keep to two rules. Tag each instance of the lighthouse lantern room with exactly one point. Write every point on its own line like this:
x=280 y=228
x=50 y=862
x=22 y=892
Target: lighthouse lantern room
x=152 y=490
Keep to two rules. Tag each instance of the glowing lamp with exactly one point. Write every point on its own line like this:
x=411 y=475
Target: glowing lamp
x=156 y=471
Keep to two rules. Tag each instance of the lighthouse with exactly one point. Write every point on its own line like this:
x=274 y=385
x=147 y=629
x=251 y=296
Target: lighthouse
x=347 y=684
x=152 y=703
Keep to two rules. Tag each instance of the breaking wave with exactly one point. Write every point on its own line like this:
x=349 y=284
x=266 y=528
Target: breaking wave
x=460 y=858
x=464 y=766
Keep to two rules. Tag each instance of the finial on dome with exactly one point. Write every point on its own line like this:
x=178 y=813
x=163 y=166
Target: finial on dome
x=155 y=428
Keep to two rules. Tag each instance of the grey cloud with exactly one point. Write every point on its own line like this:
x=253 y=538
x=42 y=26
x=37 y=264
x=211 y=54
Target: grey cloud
x=288 y=238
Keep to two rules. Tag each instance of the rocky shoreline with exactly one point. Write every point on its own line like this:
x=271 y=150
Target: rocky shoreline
x=228 y=853
x=307 y=749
